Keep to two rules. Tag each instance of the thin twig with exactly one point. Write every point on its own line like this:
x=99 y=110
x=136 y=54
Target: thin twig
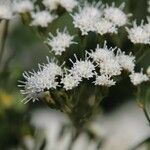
x=3 y=40
x=146 y=115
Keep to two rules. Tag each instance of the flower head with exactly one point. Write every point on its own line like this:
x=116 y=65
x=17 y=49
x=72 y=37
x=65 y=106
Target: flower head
x=42 y=18
x=70 y=81
x=83 y=69
x=102 y=54
x=51 y=4
x=137 y=34
x=138 y=78
x=37 y=82
x=22 y=6
x=60 y=42
x=110 y=67
x=104 y=80
x=68 y=4
x=127 y=62
x=116 y=15
x=104 y=26
x=86 y=18
x=6 y=11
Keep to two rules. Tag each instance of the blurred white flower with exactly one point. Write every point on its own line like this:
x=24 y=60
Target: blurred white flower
x=127 y=62
x=138 y=34
x=42 y=18
x=87 y=16
x=104 y=26
x=53 y=4
x=104 y=80
x=116 y=14
x=138 y=78
x=60 y=42
x=6 y=11
x=68 y=4
x=22 y=6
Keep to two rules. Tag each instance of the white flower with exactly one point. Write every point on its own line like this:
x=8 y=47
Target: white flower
x=138 y=78
x=116 y=15
x=137 y=34
x=87 y=17
x=51 y=4
x=105 y=26
x=127 y=62
x=69 y=81
x=6 y=9
x=68 y=4
x=42 y=18
x=22 y=6
x=104 y=80
x=60 y=42
x=83 y=69
x=37 y=82
x=110 y=67
x=102 y=54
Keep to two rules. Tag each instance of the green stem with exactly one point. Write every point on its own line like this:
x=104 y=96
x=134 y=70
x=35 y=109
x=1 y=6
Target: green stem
x=146 y=115
x=3 y=40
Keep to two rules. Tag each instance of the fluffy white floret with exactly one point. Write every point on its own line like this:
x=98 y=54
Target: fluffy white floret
x=127 y=62
x=104 y=80
x=68 y=4
x=86 y=18
x=42 y=18
x=116 y=15
x=110 y=67
x=53 y=4
x=102 y=54
x=83 y=69
x=138 y=78
x=22 y=6
x=60 y=42
x=105 y=26
x=137 y=34
x=37 y=82
x=69 y=81
x=6 y=11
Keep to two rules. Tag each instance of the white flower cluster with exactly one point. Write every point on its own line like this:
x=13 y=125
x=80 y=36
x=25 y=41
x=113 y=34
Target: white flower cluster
x=139 y=34
x=6 y=9
x=42 y=18
x=60 y=42
x=99 y=67
x=96 y=17
x=67 y=4
x=44 y=78
x=138 y=78
x=22 y=6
